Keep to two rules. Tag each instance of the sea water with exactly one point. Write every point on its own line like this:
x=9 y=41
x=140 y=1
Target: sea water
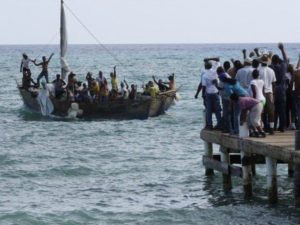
x=58 y=171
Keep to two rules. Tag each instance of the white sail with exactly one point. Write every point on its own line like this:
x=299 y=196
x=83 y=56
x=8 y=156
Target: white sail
x=63 y=42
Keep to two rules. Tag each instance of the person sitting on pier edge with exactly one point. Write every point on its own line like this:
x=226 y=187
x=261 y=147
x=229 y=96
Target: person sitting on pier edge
x=59 y=86
x=44 y=72
x=255 y=108
x=211 y=93
x=24 y=67
x=114 y=80
x=161 y=85
x=268 y=76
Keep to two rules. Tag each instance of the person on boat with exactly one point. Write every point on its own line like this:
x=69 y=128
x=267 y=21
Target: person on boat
x=100 y=78
x=94 y=90
x=172 y=83
x=104 y=92
x=24 y=67
x=71 y=86
x=89 y=78
x=27 y=81
x=254 y=107
x=161 y=85
x=59 y=86
x=44 y=65
x=83 y=94
x=124 y=91
x=114 y=80
x=146 y=89
x=132 y=91
x=153 y=91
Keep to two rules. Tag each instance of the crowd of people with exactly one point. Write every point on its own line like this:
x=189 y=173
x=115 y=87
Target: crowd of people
x=94 y=89
x=263 y=91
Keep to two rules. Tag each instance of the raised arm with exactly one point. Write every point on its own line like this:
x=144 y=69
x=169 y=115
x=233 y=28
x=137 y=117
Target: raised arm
x=21 y=66
x=244 y=51
x=115 y=73
x=283 y=52
x=153 y=77
x=50 y=57
x=198 y=90
x=298 y=64
x=127 y=86
x=256 y=50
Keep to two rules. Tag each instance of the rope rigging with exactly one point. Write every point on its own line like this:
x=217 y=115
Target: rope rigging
x=98 y=42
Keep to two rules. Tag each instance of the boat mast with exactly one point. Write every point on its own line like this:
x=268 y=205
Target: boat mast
x=63 y=42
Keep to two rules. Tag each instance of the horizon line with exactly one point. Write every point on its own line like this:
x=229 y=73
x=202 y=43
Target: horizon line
x=171 y=43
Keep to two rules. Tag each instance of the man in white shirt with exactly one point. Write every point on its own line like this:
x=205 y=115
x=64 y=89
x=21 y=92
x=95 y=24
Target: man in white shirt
x=268 y=76
x=24 y=67
x=212 y=98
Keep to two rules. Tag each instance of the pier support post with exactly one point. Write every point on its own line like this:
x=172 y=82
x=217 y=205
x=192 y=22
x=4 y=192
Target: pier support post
x=208 y=148
x=246 y=164
x=297 y=172
x=271 y=165
x=227 y=184
x=253 y=167
x=290 y=169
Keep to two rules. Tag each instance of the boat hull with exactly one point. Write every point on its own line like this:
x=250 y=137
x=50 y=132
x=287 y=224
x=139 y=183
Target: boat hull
x=161 y=103
x=117 y=109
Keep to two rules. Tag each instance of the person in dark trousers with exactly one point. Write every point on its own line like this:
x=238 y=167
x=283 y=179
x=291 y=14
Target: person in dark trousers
x=44 y=65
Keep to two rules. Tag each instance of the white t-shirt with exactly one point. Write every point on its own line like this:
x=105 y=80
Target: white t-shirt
x=25 y=63
x=207 y=81
x=268 y=76
x=259 y=86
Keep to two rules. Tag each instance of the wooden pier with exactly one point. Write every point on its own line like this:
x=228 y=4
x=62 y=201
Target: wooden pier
x=238 y=155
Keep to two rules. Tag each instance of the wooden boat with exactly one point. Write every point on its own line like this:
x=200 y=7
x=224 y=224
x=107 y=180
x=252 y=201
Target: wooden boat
x=140 y=108
x=114 y=109
x=162 y=102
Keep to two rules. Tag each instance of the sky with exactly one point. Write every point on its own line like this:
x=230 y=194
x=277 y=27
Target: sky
x=151 y=21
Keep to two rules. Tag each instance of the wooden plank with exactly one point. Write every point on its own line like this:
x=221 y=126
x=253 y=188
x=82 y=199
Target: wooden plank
x=272 y=146
x=215 y=165
x=222 y=167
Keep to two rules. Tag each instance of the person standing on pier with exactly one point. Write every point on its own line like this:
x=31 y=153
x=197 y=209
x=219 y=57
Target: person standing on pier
x=296 y=93
x=268 y=76
x=211 y=95
x=280 y=68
